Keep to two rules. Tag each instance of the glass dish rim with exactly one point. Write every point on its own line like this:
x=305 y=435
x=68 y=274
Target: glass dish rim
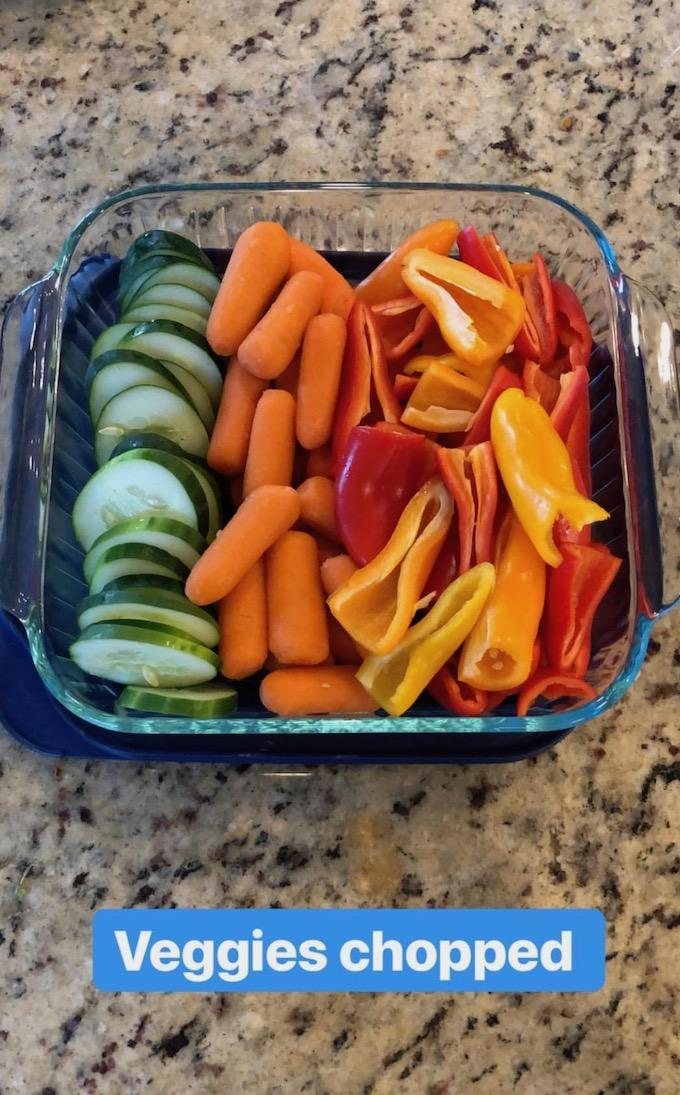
x=555 y=721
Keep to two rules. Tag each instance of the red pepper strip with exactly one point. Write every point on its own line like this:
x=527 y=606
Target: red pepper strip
x=424 y=320
x=578 y=444
x=480 y=427
x=471 y=251
x=538 y=296
x=575 y=591
x=451 y=465
x=539 y=386
x=456 y=696
x=404 y=386
x=554 y=685
x=573 y=329
x=485 y=479
x=364 y=367
x=400 y=330
x=380 y=472
x=526 y=342
x=573 y=392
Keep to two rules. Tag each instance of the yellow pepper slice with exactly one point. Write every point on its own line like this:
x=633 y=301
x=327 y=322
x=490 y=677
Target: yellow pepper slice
x=443 y=401
x=478 y=316
x=396 y=680
x=483 y=374
x=497 y=654
x=376 y=604
x=536 y=469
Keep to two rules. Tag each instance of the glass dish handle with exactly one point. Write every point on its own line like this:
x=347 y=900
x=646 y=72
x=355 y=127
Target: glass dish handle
x=25 y=380
x=652 y=419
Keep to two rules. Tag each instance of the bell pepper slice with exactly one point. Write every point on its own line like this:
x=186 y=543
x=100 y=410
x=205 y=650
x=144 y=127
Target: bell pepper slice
x=380 y=472
x=526 y=343
x=540 y=302
x=485 y=480
x=497 y=655
x=455 y=695
x=404 y=386
x=539 y=385
x=573 y=329
x=472 y=251
x=385 y=282
x=376 y=605
x=451 y=466
x=536 y=470
x=364 y=369
x=573 y=391
x=554 y=685
x=575 y=591
x=443 y=401
x=403 y=323
x=395 y=680
x=478 y=316
x=483 y=374
x=479 y=429
x=445 y=567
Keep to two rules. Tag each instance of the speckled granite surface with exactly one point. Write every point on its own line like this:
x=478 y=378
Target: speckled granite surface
x=99 y=96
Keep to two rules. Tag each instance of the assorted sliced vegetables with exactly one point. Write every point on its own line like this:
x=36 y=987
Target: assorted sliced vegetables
x=408 y=466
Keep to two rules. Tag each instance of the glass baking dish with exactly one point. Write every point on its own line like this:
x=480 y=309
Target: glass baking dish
x=46 y=435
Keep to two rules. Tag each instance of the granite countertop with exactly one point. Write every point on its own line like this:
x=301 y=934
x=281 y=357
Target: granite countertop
x=96 y=97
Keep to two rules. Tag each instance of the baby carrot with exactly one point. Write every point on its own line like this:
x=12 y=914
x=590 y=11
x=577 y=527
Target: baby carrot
x=385 y=282
x=298 y=633
x=271 y=345
x=231 y=432
x=264 y=516
x=258 y=265
x=342 y=645
x=338 y=294
x=290 y=376
x=320 y=462
x=272 y=442
x=336 y=571
x=317 y=691
x=316 y=505
x=320 y=368
x=243 y=626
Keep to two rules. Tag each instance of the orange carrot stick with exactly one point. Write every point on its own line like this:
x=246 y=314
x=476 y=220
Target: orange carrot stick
x=315 y=691
x=316 y=506
x=338 y=294
x=320 y=368
x=298 y=633
x=385 y=282
x=271 y=345
x=320 y=462
x=335 y=572
x=243 y=626
x=264 y=516
x=290 y=376
x=231 y=432
x=258 y=265
x=272 y=442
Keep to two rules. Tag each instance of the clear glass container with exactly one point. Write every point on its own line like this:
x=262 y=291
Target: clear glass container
x=46 y=438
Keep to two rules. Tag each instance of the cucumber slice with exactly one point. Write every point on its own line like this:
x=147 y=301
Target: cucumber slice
x=131 y=278
x=153 y=441
x=131 y=653
x=196 y=392
x=213 y=498
x=174 y=342
x=145 y=313
x=109 y=339
x=143 y=482
x=178 y=539
x=161 y=242
x=210 y=701
x=149 y=409
x=176 y=296
x=116 y=370
x=144 y=583
x=158 y=272
x=186 y=468
x=132 y=559
x=157 y=606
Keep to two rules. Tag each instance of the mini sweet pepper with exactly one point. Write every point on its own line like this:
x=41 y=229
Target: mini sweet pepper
x=478 y=316
x=575 y=591
x=498 y=653
x=395 y=680
x=376 y=605
x=536 y=469
x=443 y=401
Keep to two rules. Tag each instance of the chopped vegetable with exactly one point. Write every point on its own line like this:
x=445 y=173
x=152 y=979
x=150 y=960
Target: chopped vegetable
x=298 y=633
x=320 y=370
x=228 y=447
x=273 y=342
x=243 y=645
x=327 y=690
x=271 y=448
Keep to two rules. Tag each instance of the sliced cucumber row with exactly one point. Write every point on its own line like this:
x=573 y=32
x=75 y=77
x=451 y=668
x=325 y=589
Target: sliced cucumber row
x=130 y=652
